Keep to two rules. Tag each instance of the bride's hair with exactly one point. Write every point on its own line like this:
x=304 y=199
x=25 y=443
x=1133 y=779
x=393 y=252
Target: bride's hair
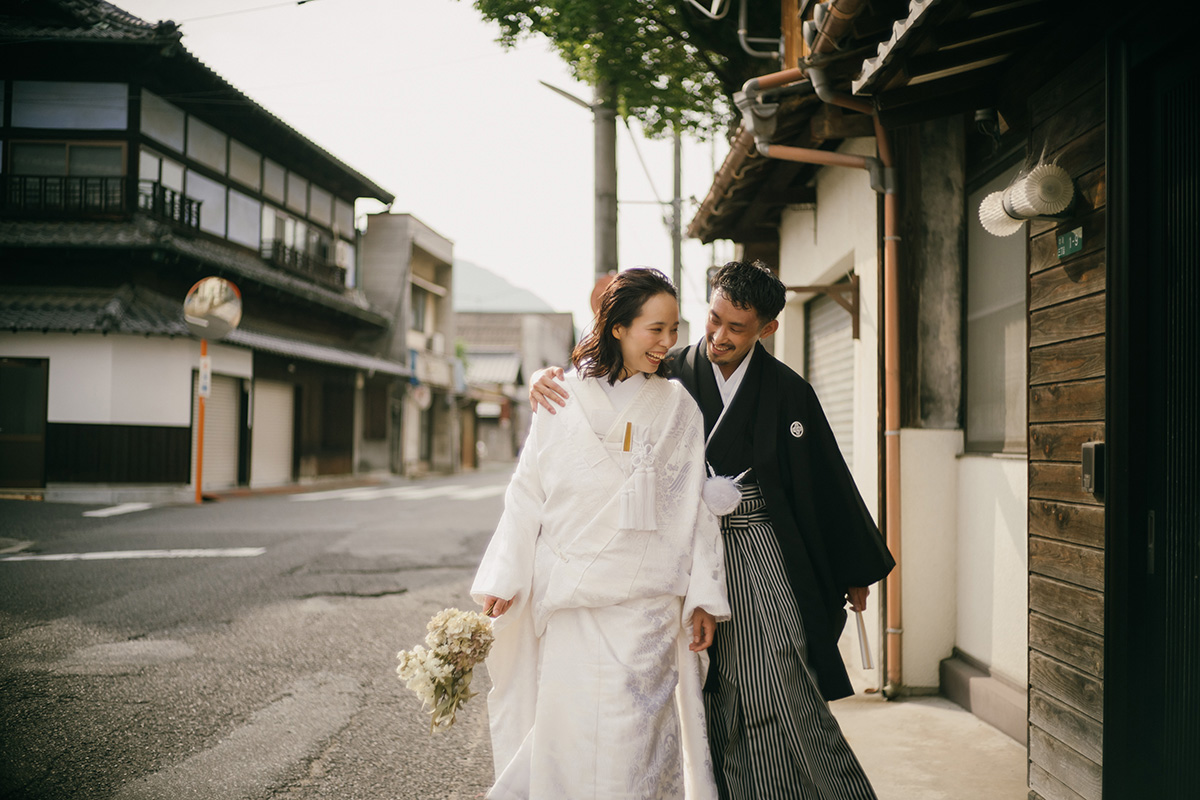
x=598 y=354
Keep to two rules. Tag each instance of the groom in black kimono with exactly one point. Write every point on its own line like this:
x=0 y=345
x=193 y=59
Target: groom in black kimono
x=800 y=545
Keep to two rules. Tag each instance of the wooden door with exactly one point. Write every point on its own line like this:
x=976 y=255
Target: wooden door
x=1152 y=703
x=23 y=388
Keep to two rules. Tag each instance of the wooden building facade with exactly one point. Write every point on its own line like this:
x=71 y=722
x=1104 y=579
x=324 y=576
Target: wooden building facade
x=1109 y=339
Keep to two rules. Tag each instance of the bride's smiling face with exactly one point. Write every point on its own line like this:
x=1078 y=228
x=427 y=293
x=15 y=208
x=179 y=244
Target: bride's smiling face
x=646 y=340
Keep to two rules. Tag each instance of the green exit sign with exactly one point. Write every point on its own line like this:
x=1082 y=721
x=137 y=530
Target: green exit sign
x=1070 y=242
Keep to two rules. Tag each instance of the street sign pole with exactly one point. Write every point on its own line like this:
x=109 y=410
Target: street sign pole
x=202 y=389
x=211 y=310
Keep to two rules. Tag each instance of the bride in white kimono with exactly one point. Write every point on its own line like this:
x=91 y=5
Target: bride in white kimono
x=608 y=570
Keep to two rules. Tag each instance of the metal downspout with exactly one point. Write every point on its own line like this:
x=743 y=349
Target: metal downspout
x=883 y=180
x=891 y=371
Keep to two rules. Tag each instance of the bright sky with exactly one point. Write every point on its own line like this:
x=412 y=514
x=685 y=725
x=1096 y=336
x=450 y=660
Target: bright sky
x=418 y=96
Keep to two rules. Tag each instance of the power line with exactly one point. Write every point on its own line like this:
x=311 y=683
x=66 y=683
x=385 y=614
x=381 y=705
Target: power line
x=246 y=10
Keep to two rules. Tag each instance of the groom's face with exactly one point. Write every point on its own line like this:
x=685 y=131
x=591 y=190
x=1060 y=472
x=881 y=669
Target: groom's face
x=730 y=331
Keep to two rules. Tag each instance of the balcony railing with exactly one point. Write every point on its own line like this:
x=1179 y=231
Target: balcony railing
x=303 y=264
x=62 y=196
x=168 y=204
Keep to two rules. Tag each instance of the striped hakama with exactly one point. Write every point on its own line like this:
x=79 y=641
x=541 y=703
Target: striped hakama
x=771 y=732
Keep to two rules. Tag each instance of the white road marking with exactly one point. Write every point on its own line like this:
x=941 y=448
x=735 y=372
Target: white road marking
x=480 y=492
x=453 y=491
x=331 y=494
x=114 y=555
x=112 y=511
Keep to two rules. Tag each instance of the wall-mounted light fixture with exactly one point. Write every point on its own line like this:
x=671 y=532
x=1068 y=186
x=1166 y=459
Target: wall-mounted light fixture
x=1044 y=191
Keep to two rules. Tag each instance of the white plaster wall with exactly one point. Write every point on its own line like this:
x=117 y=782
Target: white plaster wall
x=819 y=246
x=123 y=380
x=929 y=586
x=80 y=380
x=992 y=553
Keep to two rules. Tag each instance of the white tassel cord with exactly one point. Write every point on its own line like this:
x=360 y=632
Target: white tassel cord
x=638 y=496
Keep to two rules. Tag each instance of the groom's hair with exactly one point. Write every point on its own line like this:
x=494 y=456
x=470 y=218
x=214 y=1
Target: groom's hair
x=751 y=285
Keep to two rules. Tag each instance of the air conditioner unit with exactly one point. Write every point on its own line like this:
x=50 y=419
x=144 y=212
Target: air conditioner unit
x=437 y=343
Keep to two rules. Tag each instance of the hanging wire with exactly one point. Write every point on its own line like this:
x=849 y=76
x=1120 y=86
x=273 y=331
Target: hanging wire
x=657 y=198
x=246 y=10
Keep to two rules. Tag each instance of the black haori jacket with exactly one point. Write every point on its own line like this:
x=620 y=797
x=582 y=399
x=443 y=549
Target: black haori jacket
x=828 y=539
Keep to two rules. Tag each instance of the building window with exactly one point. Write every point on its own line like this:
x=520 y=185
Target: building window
x=245 y=165
x=995 y=335
x=163 y=121
x=74 y=105
x=212 y=198
x=274 y=180
x=65 y=177
x=68 y=158
x=420 y=304
x=207 y=145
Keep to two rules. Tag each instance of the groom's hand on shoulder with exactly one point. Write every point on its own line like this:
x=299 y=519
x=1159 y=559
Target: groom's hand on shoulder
x=545 y=391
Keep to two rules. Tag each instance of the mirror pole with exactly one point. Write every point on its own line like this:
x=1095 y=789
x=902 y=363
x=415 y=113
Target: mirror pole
x=200 y=422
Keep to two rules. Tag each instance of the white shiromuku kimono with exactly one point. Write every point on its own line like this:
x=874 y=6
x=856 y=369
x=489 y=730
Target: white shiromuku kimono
x=595 y=693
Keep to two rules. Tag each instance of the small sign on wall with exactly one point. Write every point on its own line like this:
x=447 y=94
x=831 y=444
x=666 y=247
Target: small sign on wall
x=205 y=387
x=1070 y=242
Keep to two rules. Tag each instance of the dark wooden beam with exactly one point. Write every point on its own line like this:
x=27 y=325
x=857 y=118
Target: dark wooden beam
x=832 y=122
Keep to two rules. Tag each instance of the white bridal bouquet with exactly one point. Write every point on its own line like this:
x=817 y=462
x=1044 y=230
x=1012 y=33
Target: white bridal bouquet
x=441 y=676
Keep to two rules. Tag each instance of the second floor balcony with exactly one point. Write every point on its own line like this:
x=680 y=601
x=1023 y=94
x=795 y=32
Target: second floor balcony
x=304 y=264
x=168 y=204
x=59 y=196
x=82 y=197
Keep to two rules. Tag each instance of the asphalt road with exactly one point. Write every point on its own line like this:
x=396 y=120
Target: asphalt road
x=237 y=649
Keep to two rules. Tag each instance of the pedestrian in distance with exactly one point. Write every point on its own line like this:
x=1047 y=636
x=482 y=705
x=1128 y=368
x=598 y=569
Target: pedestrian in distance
x=606 y=575
x=798 y=547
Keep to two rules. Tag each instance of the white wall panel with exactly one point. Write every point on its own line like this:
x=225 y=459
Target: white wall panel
x=212 y=197
x=126 y=380
x=206 y=144
x=273 y=433
x=993 y=556
x=67 y=104
x=163 y=121
x=245 y=219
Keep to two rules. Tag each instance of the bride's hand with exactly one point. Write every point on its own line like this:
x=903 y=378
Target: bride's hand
x=494 y=606
x=704 y=625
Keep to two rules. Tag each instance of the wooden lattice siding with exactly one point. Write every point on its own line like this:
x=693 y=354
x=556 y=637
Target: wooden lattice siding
x=1066 y=409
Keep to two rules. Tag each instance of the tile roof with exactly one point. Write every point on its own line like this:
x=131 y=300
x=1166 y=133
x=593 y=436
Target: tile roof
x=493 y=368
x=80 y=20
x=144 y=233
x=138 y=311
x=126 y=310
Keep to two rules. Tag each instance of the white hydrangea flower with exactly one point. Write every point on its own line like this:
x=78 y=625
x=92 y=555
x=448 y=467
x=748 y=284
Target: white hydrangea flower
x=441 y=675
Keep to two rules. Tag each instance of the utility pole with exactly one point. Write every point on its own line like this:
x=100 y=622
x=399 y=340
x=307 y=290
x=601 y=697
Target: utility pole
x=605 y=116
x=677 y=221
x=604 y=120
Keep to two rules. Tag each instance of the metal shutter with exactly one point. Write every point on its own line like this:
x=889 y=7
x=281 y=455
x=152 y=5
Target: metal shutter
x=829 y=350
x=272 y=435
x=221 y=422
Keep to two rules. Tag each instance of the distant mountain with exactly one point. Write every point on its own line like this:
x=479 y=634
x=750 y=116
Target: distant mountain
x=478 y=289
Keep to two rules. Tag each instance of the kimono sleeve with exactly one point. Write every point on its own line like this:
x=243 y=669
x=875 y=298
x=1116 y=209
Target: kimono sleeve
x=507 y=567
x=858 y=554
x=706 y=588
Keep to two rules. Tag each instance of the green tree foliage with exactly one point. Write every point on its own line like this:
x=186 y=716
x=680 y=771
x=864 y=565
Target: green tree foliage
x=659 y=61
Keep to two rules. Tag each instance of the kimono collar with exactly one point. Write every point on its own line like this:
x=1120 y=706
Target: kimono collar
x=641 y=410
x=730 y=426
